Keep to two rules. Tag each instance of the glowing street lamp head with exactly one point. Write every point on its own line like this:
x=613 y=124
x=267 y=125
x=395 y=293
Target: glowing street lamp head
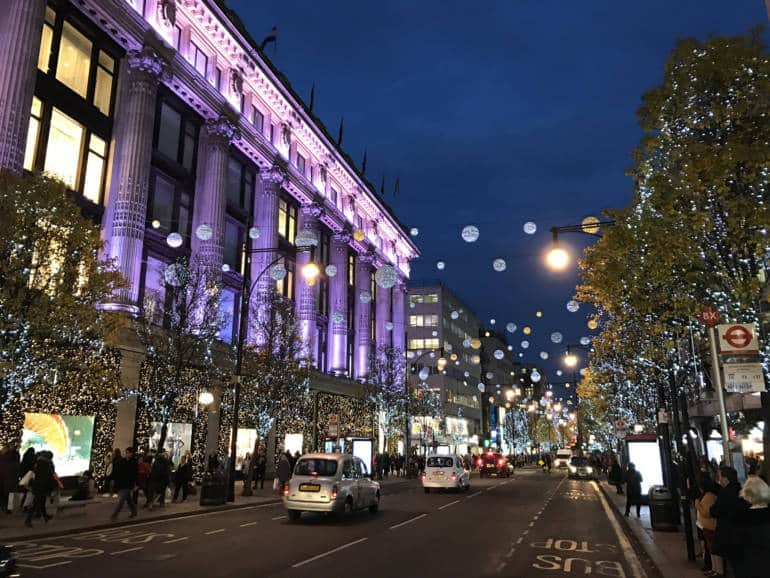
x=557 y=258
x=310 y=272
x=509 y=394
x=206 y=398
x=570 y=360
x=441 y=363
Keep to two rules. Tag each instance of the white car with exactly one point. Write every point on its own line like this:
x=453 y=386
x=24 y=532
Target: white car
x=331 y=483
x=562 y=458
x=445 y=472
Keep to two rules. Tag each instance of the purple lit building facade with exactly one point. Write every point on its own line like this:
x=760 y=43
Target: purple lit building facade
x=165 y=113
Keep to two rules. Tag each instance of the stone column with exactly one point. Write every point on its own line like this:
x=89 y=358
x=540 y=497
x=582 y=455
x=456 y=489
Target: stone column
x=337 y=341
x=210 y=197
x=383 y=317
x=305 y=295
x=398 y=314
x=363 y=316
x=128 y=203
x=22 y=25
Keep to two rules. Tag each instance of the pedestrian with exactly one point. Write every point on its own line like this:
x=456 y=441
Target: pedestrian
x=293 y=461
x=260 y=469
x=26 y=466
x=124 y=474
x=284 y=470
x=213 y=463
x=727 y=507
x=709 y=490
x=633 y=490
x=142 y=479
x=183 y=476
x=42 y=484
x=615 y=477
x=108 y=482
x=753 y=530
x=547 y=460
x=160 y=476
x=9 y=476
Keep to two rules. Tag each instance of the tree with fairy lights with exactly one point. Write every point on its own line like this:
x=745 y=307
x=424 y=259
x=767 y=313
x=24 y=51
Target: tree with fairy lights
x=695 y=231
x=54 y=341
x=515 y=430
x=179 y=327
x=385 y=389
x=426 y=410
x=275 y=372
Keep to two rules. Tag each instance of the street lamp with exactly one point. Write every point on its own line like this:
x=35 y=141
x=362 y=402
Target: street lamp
x=557 y=257
x=310 y=271
x=570 y=359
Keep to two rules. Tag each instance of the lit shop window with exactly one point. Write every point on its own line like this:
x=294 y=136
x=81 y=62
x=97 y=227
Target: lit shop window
x=46 y=40
x=74 y=59
x=287 y=220
x=65 y=141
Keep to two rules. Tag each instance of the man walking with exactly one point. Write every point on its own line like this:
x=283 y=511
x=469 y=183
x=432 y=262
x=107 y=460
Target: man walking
x=728 y=506
x=633 y=490
x=124 y=474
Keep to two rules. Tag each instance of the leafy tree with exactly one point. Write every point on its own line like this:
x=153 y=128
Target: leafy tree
x=52 y=334
x=178 y=328
x=385 y=389
x=276 y=373
x=695 y=231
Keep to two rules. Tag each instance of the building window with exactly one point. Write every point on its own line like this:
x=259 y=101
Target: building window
x=431 y=343
x=46 y=40
x=423 y=298
x=240 y=184
x=351 y=270
x=322 y=259
x=199 y=58
x=227 y=312
x=176 y=137
x=301 y=162
x=333 y=194
x=257 y=119
x=74 y=62
x=287 y=220
x=177 y=37
x=285 y=286
x=423 y=320
x=234 y=235
x=216 y=80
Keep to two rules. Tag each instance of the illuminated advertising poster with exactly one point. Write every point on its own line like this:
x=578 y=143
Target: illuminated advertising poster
x=644 y=453
x=178 y=439
x=363 y=449
x=68 y=437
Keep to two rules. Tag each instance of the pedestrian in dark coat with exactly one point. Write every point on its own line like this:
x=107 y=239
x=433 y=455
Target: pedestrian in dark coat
x=615 y=477
x=27 y=462
x=284 y=470
x=183 y=477
x=753 y=530
x=728 y=506
x=43 y=483
x=9 y=475
x=633 y=490
x=259 y=472
x=124 y=473
x=160 y=476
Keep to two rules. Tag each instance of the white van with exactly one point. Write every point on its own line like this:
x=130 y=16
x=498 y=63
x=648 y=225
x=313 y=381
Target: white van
x=445 y=472
x=562 y=458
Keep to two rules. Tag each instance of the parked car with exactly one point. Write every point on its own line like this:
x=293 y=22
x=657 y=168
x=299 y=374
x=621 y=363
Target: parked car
x=563 y=457
x=579 y=469
x=445 y=472
x=330 y=483
x=494 y=464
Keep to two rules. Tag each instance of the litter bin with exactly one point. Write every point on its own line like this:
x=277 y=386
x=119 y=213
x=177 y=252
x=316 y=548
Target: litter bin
x=213 y=490
x=664 y=512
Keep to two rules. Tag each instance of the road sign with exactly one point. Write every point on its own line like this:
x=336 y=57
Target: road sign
x=333 y=430
x=331 y=418
x=738 y=339
x=743 y=377
x=709 y=315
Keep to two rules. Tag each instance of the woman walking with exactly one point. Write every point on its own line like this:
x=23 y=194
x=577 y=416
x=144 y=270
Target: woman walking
x=712 y=564
x=42 y=484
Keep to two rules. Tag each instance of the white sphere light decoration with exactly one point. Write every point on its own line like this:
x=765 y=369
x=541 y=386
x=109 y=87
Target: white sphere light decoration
x=499 y=265
x=365 y=297
x=470 y=233
x=543 y=355
x=225 y=267
x=466 y=343
x=204 y=232
x=585 y=340
x=490 y=375
x=414 y=231
x=388 y=326
x=492 y=322
x=499 y=354
x=174 y=274
x=206 y=398
x=174 y=240
x=511 y=328
x=535 y=376
x=440 y=265
x=530 y=228
x=559 y=372
x=573 y=306
x=331 y=270
x=454 y=315
x=278 y=272
x=386 y=276
x=467 y=373
x=482 y=387
x=424 y=373
x=306 y=238
x=556 y=337
x=510 y=348
x=254 y=233
x=524 y=344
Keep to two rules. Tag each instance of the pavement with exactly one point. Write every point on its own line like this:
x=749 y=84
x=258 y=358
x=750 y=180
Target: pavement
x=531 y=524
x=667 y=549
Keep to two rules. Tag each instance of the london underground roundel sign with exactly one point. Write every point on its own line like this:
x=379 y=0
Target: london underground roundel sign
x=738 y=339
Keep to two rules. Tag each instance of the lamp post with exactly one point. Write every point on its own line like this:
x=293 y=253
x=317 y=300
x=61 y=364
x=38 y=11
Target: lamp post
x=310 y=271
x=557 y=257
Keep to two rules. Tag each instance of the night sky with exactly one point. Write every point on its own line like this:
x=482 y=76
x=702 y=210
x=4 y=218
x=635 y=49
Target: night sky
x=491 y=113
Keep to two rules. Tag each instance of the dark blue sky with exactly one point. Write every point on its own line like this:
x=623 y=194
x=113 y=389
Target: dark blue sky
x=492 y=113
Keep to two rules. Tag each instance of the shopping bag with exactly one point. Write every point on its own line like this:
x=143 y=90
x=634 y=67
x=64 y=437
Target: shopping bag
x=14 y=501
x=28 y=477
x=275 y=484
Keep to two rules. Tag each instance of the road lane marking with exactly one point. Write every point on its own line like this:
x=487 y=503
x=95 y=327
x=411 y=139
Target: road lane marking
x=126 y=551
x=628 y=551
x=449 y=504
x=219 y=531
x=531 y=524
x=490 y=488
x=175 y=540
x=164 y=521
x=328 y=553
x=44 y=566
x=473 y=495
x=520 y=540
x=279 y=518
x=409 y=521
x=248 y=524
